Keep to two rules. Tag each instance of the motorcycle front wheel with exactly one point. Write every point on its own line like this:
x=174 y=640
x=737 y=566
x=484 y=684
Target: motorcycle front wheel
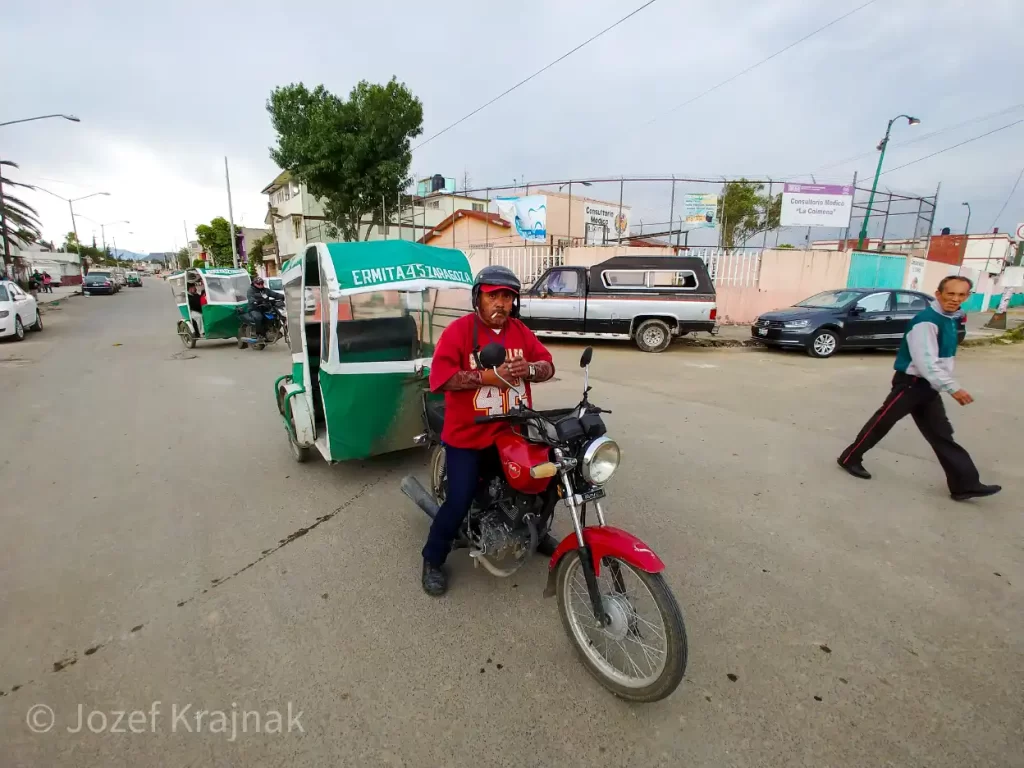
x=641 y=654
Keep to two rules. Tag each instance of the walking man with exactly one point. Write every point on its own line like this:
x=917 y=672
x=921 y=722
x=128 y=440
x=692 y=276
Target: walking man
x=924 y=370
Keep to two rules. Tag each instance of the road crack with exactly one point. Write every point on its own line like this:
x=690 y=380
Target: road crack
x=72 y=659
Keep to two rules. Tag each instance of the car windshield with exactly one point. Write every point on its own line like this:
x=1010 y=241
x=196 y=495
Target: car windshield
x=96 y=277
x=829 y=299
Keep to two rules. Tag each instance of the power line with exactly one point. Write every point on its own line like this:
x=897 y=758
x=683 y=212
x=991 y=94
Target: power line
x=539 y=71
x=947 y=149
x=914 y=140
x=1008 y=197
x=762 y=61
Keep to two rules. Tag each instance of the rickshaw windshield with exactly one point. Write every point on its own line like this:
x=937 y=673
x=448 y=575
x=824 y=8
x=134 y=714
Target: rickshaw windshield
x=227 y=289
x=416 y=318
x=177 y=284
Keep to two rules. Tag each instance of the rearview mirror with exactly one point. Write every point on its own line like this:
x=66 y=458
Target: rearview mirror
x=492 y=355
x=586 y=357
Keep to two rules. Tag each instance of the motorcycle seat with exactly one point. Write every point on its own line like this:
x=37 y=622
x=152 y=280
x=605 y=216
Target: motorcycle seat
x=435 y=415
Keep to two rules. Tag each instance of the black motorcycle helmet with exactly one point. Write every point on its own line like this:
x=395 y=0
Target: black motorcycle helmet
x=499 y=277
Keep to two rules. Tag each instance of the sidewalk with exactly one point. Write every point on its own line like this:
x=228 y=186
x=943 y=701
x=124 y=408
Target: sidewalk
x=59 y=294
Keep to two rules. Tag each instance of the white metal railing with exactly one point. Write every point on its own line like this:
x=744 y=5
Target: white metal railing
x=527 y=262
x=739 y=267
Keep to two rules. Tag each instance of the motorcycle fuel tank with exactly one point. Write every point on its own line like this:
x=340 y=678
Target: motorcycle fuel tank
x=517 y=458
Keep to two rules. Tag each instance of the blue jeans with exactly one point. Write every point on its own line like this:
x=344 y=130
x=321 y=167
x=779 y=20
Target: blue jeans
x=462 y=467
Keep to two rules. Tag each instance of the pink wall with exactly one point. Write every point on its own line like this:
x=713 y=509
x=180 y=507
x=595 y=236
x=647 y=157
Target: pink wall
x=786 y=277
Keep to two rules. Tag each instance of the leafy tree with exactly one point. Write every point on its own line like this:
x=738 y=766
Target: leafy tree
x=256 y=254
x=744 y=212
x=350 y=153
x=182 y=258
x=215 y=238
x=21 y=223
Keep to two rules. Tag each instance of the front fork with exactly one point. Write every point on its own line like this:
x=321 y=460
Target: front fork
x=582 y=550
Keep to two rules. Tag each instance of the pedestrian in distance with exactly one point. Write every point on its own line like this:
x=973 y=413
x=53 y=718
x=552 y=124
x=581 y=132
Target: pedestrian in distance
x=924 y=372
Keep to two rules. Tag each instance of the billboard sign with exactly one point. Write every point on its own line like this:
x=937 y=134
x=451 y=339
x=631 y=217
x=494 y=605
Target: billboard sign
x=606 y=219
x=529 y=215
x=816 y=205
x=700 y=211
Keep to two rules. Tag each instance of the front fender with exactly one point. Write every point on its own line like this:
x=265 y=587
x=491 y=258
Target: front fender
x=606 y=541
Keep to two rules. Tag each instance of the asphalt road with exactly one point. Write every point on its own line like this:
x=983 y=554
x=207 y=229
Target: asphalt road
x=160 y=545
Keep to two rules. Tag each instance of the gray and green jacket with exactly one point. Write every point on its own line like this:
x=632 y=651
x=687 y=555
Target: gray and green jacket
x=929 y=346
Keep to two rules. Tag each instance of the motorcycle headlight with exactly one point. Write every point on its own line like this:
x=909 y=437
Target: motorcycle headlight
x=600 y=460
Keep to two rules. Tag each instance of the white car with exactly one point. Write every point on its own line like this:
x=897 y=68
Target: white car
x=18 y=311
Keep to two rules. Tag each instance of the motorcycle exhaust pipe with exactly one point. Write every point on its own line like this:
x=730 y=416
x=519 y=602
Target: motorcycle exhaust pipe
x=414 y=489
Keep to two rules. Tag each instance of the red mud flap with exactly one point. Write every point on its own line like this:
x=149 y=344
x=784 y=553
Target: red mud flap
x=606 y=541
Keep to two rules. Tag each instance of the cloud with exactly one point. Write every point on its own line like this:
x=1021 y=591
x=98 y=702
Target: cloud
x=165 y=91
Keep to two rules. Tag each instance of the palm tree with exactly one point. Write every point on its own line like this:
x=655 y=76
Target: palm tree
x=20 y=220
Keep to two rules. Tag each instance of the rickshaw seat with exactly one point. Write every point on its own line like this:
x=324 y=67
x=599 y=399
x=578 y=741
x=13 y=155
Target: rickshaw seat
x=378 y=339
x=435 y=415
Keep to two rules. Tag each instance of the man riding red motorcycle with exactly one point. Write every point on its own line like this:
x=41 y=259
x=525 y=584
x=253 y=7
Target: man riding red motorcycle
x=471 y=390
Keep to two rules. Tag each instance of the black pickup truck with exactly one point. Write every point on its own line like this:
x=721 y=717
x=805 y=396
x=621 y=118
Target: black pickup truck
x=647 y=299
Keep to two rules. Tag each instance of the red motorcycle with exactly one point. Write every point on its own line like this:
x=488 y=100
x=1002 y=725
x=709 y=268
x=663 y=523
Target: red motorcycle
x=615 y=606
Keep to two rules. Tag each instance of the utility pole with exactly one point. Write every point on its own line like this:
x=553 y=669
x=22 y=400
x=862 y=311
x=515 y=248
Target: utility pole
x=189 y=249
x=231 y=215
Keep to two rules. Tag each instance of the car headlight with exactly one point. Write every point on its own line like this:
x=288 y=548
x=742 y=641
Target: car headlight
x=600 y=460
x=796 y=323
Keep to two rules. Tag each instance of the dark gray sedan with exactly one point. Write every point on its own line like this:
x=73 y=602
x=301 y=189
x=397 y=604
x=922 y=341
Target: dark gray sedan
x=850 y=318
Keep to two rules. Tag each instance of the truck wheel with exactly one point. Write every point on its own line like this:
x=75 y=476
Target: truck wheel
x=653 y=336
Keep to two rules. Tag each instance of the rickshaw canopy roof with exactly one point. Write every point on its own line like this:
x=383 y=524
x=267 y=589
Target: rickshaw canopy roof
x=390 y=265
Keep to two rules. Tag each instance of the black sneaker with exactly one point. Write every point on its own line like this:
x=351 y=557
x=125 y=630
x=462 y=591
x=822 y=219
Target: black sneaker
x=855 y=468
x=435 y=581
x=977 y=493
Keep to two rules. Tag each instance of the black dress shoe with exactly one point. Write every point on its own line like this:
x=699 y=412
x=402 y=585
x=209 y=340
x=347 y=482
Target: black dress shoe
x=855 y=468
x=435 y=581
x=977 y=493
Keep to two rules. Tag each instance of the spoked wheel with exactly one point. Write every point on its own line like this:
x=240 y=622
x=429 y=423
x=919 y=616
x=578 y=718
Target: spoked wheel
x=186 y=335
x=641 y=655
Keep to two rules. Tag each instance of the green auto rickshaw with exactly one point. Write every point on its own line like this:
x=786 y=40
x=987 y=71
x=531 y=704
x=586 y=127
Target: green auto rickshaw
x=364 y=319
x=210 y=302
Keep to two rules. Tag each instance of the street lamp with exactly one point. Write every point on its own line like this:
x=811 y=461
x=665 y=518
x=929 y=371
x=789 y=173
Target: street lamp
x=74 y=225
x=967 y=226
x=3 y=222
x=881 y=148
x=72 y=118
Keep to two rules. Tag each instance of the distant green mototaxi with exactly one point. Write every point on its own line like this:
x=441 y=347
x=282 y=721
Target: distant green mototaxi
x=216 y=316
x=364 y=320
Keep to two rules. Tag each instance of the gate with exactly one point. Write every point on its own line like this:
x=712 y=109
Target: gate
x=875 y=270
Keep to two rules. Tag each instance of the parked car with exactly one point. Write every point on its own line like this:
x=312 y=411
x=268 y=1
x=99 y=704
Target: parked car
x=309 y=303
x=99 y=282
x=18 y=311
x=646 y=299
x=851 y=318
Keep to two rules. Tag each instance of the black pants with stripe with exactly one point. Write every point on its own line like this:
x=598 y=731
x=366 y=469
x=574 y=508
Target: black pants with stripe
x=914 y=396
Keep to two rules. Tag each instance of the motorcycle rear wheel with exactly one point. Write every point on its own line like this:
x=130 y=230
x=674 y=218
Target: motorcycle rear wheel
x=664 y=677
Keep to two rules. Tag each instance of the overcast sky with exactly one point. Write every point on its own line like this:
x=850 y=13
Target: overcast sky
x=166 y=90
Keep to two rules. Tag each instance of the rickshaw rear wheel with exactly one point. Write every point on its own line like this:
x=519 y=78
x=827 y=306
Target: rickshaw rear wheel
x=186 y=335
x=299 y=453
